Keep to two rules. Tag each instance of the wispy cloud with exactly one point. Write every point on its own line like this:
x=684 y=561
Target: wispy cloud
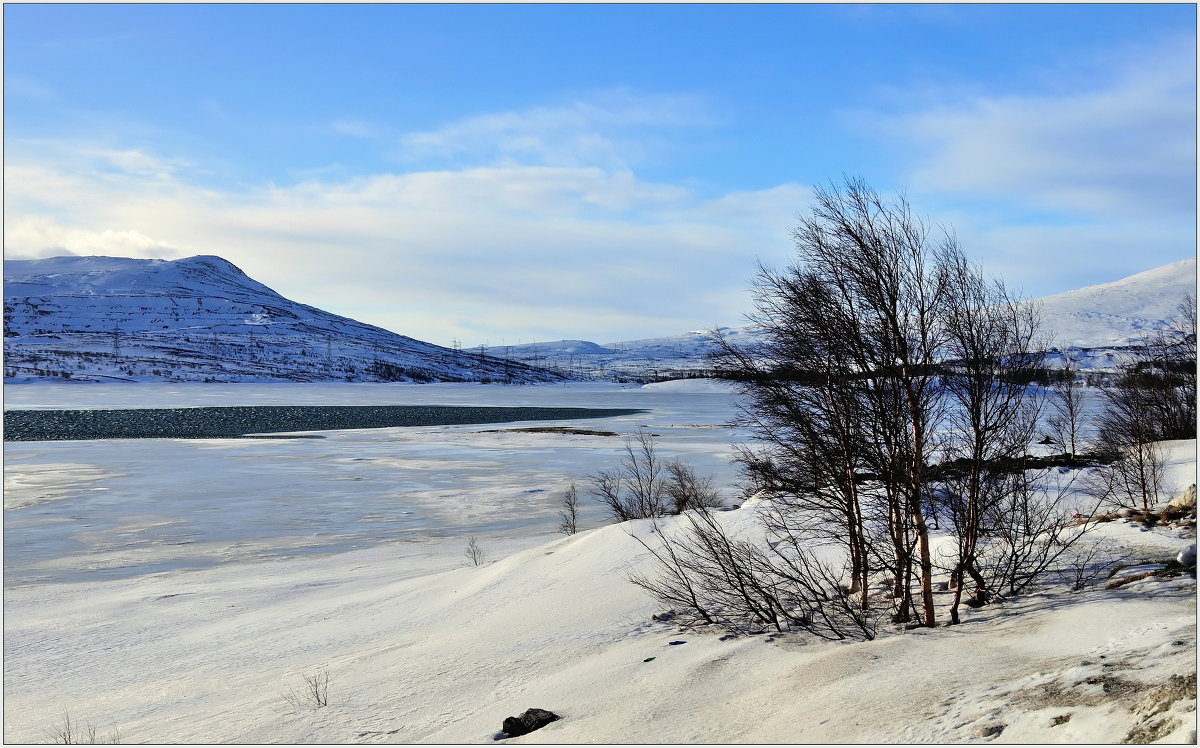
x=26 y=87
x=1127 y=146
x=1068 y=186
x=616 y=129
x=354 y=128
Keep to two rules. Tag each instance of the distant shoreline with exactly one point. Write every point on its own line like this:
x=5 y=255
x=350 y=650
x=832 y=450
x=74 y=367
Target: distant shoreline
x=234 y=422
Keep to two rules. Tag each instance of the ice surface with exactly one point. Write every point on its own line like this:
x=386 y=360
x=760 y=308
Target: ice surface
x=114 y=508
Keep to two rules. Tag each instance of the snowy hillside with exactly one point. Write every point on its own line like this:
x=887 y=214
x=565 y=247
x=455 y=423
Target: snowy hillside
x=1095 y=326
x=1123 y=312
x=202 y=319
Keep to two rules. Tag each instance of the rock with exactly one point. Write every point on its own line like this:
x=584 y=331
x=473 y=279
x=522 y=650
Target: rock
x=1161 y=698
x=1187 y=557
x=1184 y=501
x=530 y=720
x=989 y=731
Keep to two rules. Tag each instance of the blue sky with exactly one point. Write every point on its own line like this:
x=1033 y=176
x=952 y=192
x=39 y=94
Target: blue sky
x=507 y=174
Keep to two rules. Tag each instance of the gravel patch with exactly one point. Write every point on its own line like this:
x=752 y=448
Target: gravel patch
x=233 y=422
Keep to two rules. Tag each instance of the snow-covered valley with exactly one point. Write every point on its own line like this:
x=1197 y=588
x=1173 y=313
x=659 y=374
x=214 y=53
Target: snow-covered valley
x=181 y=590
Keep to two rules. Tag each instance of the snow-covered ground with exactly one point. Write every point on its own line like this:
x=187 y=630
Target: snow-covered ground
x=217 y=574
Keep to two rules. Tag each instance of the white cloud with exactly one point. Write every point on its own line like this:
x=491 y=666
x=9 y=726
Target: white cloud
x=1125 y=147
x=481 y=254
x=1070 y=186
x=33 y=237
x=614 y=130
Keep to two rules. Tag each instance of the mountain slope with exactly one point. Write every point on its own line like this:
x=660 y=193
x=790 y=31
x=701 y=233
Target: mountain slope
x=1122 y=312
x=202 y=319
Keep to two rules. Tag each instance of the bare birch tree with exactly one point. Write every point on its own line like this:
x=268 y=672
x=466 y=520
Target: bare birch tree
x=1066 y=403
x=569 y=512
x=991 y=337
x=846 y=381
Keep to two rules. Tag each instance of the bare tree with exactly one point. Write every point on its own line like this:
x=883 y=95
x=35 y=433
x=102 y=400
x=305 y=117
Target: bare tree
x=686 y=490
x=1066 y=403
x=636 y=489
x=1151 y=399
x=881 y=352
x=991 y=337
x=474 y=552
x=852 y=336
x=569 y=513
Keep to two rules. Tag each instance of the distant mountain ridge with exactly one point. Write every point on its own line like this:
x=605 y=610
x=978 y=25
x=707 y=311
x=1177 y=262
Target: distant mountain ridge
x=202 y=319
x=1095 y=326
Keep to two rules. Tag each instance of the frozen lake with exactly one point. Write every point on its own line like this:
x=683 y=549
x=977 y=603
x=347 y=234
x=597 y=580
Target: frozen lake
x=92 y=510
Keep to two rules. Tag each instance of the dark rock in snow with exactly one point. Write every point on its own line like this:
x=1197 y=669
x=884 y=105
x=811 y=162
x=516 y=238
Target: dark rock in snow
x=530 y=720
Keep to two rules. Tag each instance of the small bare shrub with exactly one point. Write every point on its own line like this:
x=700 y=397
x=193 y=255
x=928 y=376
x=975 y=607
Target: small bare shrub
x=69 y=732
x=689 y=491
x=1083 y=568
x=314 y=694
x=644 y=486
x=1031 y=532
x=474 y=553
x=636 y=489
x=708 y=577
x=1134 y=480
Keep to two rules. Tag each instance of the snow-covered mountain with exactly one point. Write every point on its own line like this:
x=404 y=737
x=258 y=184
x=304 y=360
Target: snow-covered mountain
x=1096 y=326
x=674 y=355
x=203 y=319
x=1121 y=313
